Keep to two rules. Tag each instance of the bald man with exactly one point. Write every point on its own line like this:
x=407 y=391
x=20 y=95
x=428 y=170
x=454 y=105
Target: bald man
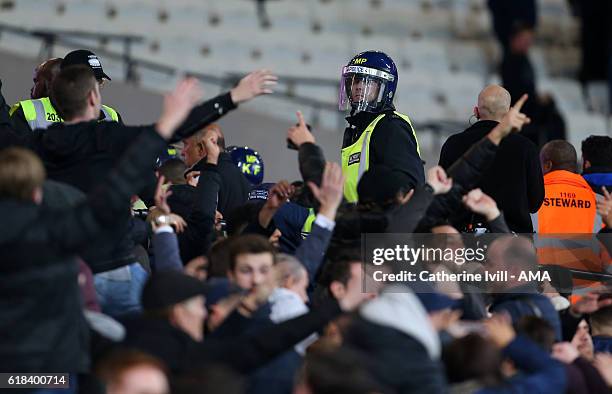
x=515 y=179
x=569 y=205
x=44 y=74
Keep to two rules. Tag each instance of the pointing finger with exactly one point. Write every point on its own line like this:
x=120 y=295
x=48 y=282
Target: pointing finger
x=301 y=119
x=519 y=104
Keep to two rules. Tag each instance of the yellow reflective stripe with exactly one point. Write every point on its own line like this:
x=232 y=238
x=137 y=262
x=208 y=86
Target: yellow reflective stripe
x=14 y=108
x=407 y=119
x=108 y=111
x=307 y=227
x=51 y=114
x=28 y=109
x=139 y=204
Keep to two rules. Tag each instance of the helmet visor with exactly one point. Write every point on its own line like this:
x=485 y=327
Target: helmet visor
x=362 y=89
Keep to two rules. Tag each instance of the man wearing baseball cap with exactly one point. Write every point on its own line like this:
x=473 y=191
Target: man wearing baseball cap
x=172 y=327
x=40 y=113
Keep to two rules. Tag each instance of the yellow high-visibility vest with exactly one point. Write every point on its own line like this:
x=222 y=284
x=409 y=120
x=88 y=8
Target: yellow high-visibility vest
x=40 y=114
x=355 y=158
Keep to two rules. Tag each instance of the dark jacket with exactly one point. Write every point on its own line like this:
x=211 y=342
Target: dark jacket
x=513 y=179
x=400 y=361
x=235 y=187
x=181 y=199
x=41 y=319
x=244 y=353
x=392 y=144
x=81 y=154
x=584 y=378
x=597 y=177
x=197 y=238
x=465 y=174
x=525 y=301
x=540 y=373
x=602 y=344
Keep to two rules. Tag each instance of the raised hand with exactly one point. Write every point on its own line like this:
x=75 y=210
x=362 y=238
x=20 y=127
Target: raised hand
x=438 y=180
x=604 y=208
x=514 y=120
x=565 y=352
x=161 y=196
x=589 y=303
x=482 y=204
x=279 y=194
x=254 y=84
x=177 y=105
x=299 y=133
x=212 y=149
x=192 y=178
x=329 y=194
x=603 y=363
x=499 y=329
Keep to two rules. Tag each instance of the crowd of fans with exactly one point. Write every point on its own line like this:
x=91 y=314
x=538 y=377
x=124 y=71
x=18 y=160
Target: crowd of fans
x=228 y=287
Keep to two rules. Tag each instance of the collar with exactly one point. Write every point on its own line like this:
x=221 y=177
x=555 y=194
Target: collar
x=481 y=124
x=223 y=156
x=598 y=170
x=361 y=120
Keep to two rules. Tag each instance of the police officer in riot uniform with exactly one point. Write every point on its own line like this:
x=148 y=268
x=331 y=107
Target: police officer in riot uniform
x=377 y=134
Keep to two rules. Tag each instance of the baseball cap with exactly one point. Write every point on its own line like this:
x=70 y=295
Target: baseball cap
x=169 y=288
x=85 y=57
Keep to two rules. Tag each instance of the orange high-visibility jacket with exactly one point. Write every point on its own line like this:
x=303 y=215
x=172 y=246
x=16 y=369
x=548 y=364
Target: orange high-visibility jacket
x=569 y=206
x=569 y=216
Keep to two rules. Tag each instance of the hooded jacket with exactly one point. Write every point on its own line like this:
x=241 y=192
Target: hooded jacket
x=41 y=318
x=391 y=327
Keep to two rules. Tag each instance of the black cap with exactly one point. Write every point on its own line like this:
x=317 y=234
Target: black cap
x=87 y=58
x=380 y=184
x=169 y=288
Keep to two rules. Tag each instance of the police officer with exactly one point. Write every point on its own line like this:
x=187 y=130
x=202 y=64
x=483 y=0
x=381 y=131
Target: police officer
x=377 y=134
x=39 y=112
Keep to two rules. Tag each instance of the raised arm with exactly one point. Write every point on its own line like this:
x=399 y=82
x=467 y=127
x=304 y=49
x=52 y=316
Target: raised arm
x=71 y=228
x=257 y=83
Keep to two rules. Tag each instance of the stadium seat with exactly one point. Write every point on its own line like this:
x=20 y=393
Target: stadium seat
x=582 y=124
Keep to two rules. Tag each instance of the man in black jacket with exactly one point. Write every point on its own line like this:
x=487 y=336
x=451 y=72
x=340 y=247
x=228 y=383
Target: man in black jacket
x=235 y=187
x=515 y=179
x=80 y=151
x=41 y=319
